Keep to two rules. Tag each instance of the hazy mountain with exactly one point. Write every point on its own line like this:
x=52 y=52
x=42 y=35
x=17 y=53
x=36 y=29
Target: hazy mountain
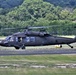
x=63 y=3
x=10 y=3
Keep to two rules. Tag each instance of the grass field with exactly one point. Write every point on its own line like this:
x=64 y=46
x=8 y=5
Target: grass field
x=21 y=65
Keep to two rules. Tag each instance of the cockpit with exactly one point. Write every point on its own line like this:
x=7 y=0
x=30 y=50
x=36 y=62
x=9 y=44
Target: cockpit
x=9 y=38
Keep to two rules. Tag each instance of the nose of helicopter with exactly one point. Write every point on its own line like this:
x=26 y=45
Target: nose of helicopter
x=0 y=42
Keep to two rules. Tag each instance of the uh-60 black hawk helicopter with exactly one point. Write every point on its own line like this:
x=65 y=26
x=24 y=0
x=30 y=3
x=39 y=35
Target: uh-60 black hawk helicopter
x=34 y=38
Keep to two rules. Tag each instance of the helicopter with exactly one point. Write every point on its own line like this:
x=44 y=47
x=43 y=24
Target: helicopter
x=30 y=37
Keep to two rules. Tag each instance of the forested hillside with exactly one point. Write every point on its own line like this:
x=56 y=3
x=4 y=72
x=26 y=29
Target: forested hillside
x=20 y=13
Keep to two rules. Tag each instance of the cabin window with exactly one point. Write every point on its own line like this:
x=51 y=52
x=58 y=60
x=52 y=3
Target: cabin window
x=27 y=39
x=30 y=39
x=16 y=39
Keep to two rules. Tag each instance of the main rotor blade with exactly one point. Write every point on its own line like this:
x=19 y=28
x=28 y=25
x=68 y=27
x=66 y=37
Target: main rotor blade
x=40 y=27
x=22 y=28
x=34 y=27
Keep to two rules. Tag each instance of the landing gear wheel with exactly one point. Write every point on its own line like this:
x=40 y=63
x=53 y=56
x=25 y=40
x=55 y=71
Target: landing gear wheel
x=71 y=46
x=23 y=47
x=17 y=47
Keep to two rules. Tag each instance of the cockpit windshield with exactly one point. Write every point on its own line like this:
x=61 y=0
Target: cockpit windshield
x=9 y=38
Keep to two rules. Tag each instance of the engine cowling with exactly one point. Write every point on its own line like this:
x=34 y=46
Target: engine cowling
x=36 y=34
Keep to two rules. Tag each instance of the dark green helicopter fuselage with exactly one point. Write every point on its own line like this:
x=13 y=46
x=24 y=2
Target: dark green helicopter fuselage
x=21 y=40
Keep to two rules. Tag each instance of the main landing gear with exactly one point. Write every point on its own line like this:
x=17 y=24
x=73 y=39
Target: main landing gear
x=22 y=47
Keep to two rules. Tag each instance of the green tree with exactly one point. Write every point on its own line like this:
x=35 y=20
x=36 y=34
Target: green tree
x=64 y=14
